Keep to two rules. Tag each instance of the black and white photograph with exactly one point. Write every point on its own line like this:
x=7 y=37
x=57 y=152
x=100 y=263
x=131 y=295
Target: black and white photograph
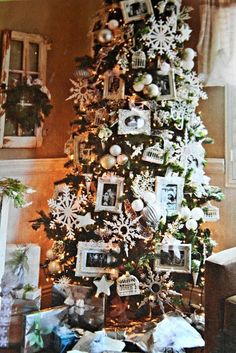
x=109 y=194
x=169 y=192
x=93 y=259
x=134 y=122
x=114 y=86
x=166 y=85
x=109 y=190
x=168 y=261
x=96 y=259
x=136 y=10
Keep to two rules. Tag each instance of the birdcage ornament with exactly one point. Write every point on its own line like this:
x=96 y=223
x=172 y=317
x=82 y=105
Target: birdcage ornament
x=139 y=60
x=153 y=154
x=127 y=285
x=211 y=213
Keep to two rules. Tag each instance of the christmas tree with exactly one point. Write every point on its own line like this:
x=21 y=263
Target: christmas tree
x=128 y=217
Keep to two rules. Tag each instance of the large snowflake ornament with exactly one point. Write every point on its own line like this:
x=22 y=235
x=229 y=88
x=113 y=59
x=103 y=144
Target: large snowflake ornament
x=143 y=182
x=65 y=209
x=188 y=152
x=81 y=94
x=124 y=229
x=161 y=37
x=157 y=289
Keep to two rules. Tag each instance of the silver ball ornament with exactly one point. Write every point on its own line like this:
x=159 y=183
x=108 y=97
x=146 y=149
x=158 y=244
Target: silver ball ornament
x=146 y=79
x=54 y=267
x=105 y=36
x=191 y=224
x=107 y=161
x=151 y=90
x=137 y=205
x=115 y=150
x=188 y=54
x=113 y=24
x=50 y=255
x=122 y=159
x=197 y=213
x=138 y=86
x=188 y=65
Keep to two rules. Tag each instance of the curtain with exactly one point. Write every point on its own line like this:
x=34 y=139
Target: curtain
x=217 y=42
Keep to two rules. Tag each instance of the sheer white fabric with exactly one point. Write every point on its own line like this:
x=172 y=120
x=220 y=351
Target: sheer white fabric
x=217 y=44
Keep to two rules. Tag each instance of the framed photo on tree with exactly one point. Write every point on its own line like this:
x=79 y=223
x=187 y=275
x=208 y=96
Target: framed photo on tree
x=169 y=193
x=166 y=85
x=136 y=10
x=114 y=86
x=109 y=191
x=168 y=261
x=93 y=259
x=134 y=122
x=83 y=152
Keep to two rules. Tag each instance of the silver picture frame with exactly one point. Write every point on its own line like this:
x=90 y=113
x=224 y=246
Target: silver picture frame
x=136 y=10
x=134 y=122
x=93 y=259
x=167 y=261
x=114 y=86
x=109 y=190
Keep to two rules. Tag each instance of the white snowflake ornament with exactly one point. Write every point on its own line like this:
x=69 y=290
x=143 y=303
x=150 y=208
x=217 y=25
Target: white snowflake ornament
x=65 y=209
x=143 y=182
x=161 y=37
x=81 y=94
x=124 y=229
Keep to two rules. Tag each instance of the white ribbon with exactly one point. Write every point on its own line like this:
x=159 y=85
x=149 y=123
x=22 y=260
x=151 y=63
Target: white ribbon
x=171 y=241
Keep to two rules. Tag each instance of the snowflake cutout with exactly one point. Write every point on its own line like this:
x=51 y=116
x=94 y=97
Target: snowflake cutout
x=189 y=153
x=190 y=89
x=124 y=229
x=81 y=94
x=3 y=341
x=137 y=149
x=65 y=210
x=143 y=182
x=180 y=111
x=185 y=32
x=157 y=288
x=161 y=37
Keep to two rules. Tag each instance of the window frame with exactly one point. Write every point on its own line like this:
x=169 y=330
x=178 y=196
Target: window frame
x=26 y=38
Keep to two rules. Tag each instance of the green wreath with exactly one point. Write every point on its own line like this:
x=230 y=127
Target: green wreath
x=26 y=105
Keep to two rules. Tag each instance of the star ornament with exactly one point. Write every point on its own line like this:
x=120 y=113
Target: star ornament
x=103 y=286
x=85 y=221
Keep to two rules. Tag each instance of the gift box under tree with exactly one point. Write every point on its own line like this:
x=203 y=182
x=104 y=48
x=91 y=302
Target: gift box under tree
x=39 y=326
x=24 y=261
x=85 y=310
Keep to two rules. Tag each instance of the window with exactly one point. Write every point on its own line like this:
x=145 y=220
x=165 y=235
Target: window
x=23 y=55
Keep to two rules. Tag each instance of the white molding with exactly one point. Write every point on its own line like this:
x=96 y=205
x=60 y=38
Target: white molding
x=215 y=166
x=21 y=167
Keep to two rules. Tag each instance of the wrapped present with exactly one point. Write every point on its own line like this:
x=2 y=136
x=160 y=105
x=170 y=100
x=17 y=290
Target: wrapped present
x=39 y=326
x=24 y=261
x=64 y=339
x=28 y=292
x=85 y=310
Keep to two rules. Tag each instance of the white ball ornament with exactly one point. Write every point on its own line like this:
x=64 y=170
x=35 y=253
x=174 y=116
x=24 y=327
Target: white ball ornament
x=189 y=54
x=108 y=161
x=149 y=197
x=137 y=205
x=151 y=90
x=197 y=213
x=185 y=212
x=50 y=255
x=54 y=267
x=122 y=159
x=188 y=65
x=164 y=69
x=146 y=79
x=115 y=150
x=105 y=36
x=138 y=86
x=113 y=24
x=191 y=224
